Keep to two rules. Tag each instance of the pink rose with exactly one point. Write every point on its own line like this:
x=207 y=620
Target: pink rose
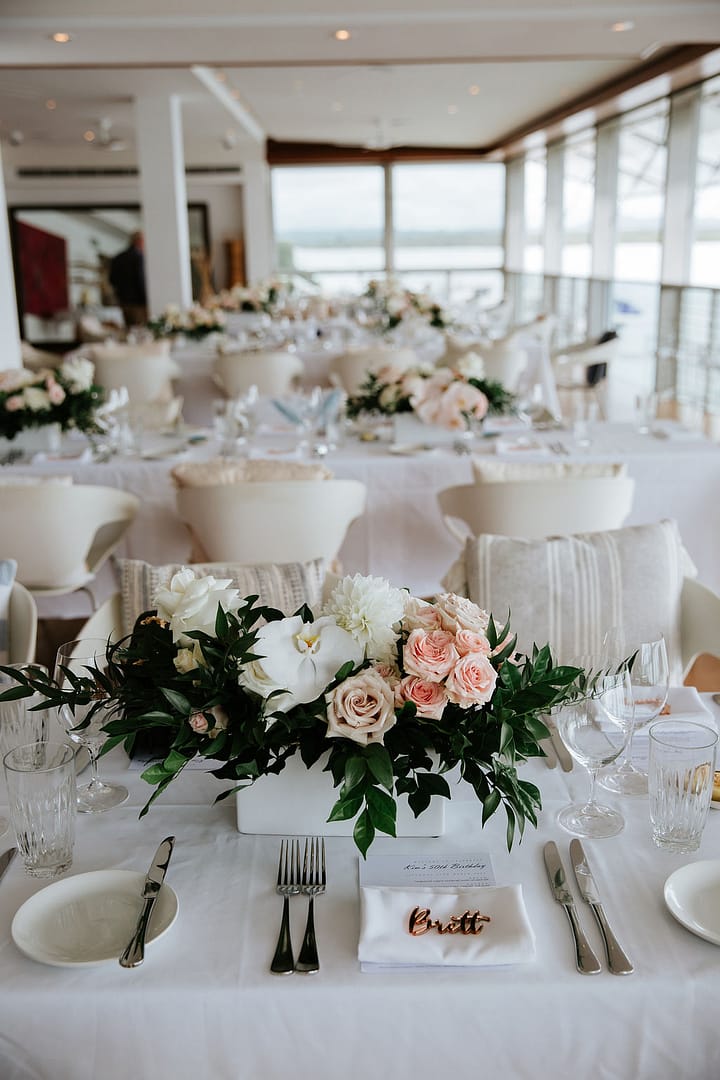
x=14 y=403
x=459 y=613
x=419 y=615
x=460 y=400
x=55 y=392
x=388 y=672
x=468 y=641
x=429 y=697
x=198 y=722
x=361 y=708
x=431 y=654
x=472 y=681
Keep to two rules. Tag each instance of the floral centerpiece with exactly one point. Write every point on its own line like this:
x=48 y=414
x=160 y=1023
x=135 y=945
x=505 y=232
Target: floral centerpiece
x=66 y=395
x=449 y=397
x=389 y=305
x=393 y=692
x=264 y=297
x=194 y=323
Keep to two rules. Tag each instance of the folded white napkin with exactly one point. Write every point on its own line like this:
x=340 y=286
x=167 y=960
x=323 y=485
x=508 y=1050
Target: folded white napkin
x=506 y=938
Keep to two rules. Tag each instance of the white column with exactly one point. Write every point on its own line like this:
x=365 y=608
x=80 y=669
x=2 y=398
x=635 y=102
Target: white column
x=10 y=355
x=682 y=151
x=163 y=196
x=515 y=214
x=554 y=209
x=604 y=226
x=257 y=220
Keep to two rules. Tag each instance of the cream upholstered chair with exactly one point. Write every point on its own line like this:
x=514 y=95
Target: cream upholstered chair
x=61 y=534
x=534 y=508
x=506 y=359
x=22 y=626
x=273 y=372
x=350 y=369
x=274 y=521
x=146 y=371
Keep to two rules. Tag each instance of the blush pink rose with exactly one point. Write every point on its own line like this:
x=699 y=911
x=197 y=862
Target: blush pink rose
x=198 y=722
x=388 y=672
x=472 y=681
x=361 y=708
x=429 y=698
x=459 y=400
x=430 y=654
x=459 y=613
x=470 y=641
x=55 y=392
x=419 y=615
x=14 y=403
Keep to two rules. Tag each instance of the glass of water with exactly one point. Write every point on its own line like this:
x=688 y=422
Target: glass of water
x=42 y=798
x=680 y=782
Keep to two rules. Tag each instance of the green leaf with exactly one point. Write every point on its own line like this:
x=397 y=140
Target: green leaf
x=380 y=765
x=175 y=761
x=433 y=784
x=345 y=808
x=382 y=808
x=490 y=804
x=364 y=832
x=178 y=701
x=355 y=773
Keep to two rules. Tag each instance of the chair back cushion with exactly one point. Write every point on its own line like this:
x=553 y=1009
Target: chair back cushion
x=493 y=471
x=8 y=568
x=570 y=590
x=222 y=471
x=284 y=586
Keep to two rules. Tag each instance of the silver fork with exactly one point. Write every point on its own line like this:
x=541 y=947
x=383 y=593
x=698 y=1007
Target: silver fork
x=313 y=884
x=288 y=884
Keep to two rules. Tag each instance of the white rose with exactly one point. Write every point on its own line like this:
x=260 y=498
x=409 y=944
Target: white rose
x=191 y=603
x=459 y=613
x=36 y=400
x=471 y=366
x=189 y=659
x=389 y=396
x=78 y=373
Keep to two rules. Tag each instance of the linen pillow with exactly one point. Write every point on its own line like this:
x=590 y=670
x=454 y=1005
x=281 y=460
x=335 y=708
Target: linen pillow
x=220 y=471
x=8 y=569
x=284 y=586
x=33 y=481
x=569 y=590
x=501 y=472
x=120 y=351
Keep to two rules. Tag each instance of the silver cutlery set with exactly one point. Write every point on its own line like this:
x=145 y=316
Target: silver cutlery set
x=297 y=876
x=586 y=961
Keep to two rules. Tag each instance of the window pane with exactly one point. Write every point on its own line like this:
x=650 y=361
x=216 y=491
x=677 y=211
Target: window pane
x=535 y=198
x=328 y=224
x=705 y=261
x=448 y=217
x=578 y=201
x=641 y=193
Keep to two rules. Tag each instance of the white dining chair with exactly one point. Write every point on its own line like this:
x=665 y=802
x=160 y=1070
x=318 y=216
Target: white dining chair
x=573 y=371
x=350 y=369
x=61 y=534
x=146 y=372
x=22 y=626
x=273 y=521
x=537 y=508
x=273 y=372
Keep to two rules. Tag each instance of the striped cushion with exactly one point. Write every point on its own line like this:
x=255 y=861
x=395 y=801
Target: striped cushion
x=8 y=569
x=569 y=590
x=285 y=586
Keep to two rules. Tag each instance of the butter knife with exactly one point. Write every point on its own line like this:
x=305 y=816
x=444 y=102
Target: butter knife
x=563 y=754
x=135 y=952
x=618 y=963
x=6 y=858
x=585 y=959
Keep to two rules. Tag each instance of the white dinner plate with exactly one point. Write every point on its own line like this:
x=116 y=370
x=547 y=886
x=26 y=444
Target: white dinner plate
x=692 y=895
x=88 y=919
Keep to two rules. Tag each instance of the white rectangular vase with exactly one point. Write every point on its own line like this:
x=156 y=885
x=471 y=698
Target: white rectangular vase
x=410 y=430
x=298 y=801
x=47 y=438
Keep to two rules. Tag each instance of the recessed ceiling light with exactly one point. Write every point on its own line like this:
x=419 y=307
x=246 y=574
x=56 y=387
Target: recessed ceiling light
x=337 y=106
x=342 y=35
x=61 y=38
x=452 y=109
x=621 y=27
x=474 y=90
x=89 y=136
x=51 y=104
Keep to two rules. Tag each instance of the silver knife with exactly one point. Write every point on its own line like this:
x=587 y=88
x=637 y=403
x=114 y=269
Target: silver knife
x=618 y=962
x=585 y=959
x=135 y=952
x=563 y=754
x=6 y=858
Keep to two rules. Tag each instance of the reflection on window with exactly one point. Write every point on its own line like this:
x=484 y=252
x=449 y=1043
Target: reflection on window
x=328 y=224
x=642 y=161
x=578 y=201
x=448 y=227
x=705 y=259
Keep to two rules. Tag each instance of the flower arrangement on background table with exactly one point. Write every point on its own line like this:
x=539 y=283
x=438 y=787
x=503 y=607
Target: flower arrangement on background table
x=265 y=297
x=66 y=395
x=194 y=323
x=449 y=397
x=389 y=305
x=396 y=691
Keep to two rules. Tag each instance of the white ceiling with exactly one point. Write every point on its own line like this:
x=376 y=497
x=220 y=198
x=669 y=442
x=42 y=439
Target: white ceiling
x=414 y=74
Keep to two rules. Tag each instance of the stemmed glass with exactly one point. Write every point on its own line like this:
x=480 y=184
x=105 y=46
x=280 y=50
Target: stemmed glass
x=649 y=682
x=79 y=658
x=595 y=736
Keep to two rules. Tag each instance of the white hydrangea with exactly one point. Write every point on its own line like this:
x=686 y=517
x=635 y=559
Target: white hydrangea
x=78 y=373
x=370 y=609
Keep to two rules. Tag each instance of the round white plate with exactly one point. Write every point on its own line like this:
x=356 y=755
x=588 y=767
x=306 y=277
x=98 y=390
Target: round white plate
x=692 y=895
x=88 y=919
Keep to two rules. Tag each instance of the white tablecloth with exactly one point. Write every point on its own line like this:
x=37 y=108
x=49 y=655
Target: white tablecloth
x=204 y=1004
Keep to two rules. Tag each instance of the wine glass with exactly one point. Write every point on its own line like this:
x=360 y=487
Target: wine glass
x=595 y=737
x=80 y=657
x=649 y=681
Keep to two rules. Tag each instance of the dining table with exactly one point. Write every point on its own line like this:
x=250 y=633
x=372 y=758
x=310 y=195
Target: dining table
x=401 y=535
x=204 y=1003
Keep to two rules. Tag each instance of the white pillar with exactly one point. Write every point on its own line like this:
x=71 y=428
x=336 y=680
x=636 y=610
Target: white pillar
x=682 y=152
x=257 y=220
x=515 y=215
x=10 y=354
x=604 y=227
x=553 y=239
x=163 y=196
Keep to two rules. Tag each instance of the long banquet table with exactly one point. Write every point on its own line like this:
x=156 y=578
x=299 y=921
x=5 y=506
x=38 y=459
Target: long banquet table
x=402 y=536
x=205 y=1007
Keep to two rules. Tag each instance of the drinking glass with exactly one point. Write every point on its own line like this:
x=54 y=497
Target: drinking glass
x=81 y=657
x=594 y=737
x=649 y=680
x=41 y=787
x=17 y=724
x=680 y=782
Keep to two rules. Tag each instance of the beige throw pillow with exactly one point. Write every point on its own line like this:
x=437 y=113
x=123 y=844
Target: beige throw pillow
x=285 y=586
x=503 y=472
x=120 y=351
x=570 y=590
x=260 y=470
